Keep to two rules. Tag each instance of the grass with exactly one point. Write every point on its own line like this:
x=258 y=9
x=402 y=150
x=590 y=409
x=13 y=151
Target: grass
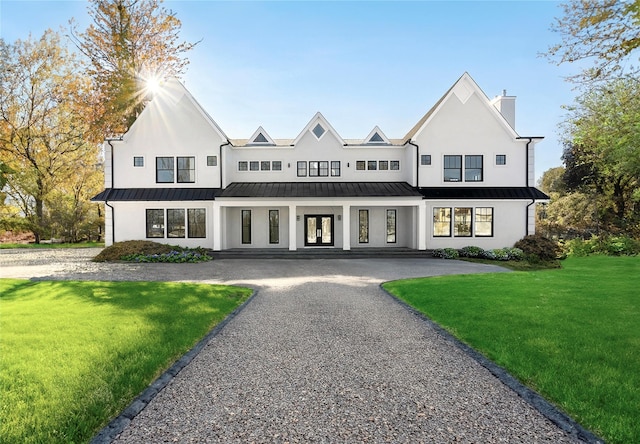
x=74 y=354
x=78 y=245
x=572 y=334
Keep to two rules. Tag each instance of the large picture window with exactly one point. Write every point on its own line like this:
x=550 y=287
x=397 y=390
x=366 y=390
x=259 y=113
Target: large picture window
x=186 y=169
x=484 y=222
x=391 y=226
x=473 y=168
x=196 y=222
x=462 y=222
x=363 y=226
x=274 y=226
x=442 y=222
x=175 y=223
x=164 y=169
x=155 y=223
x=452 y=168
x=246 y=226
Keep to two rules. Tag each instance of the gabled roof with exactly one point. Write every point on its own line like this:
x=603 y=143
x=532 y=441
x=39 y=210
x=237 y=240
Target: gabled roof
x=511 y=193
x=376 y=136
x=311 y=126
x=319 y=189
x=155 y=194
x=463 y=88
x=260 y=137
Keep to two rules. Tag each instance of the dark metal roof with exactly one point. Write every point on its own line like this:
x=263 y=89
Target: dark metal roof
x=320 y=189
x=156 y=194
x=483 y=193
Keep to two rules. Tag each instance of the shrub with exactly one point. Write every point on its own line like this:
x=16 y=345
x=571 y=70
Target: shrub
x=501 y=254
x=446 y=253
x=607 y=245
x=171 y=257
x=137 y=250
x=489 y=254
x=471 y=251
x=515 y=254
x=539 y=248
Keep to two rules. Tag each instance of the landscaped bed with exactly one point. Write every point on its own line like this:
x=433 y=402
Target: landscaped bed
x=74 y=354
x=572 y=334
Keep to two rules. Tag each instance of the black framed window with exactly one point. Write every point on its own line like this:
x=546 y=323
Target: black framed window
x=425 y=159
x=501 y=159
x=265 y=165
x=483 y=226
x=372 y=165
x=164 y=169
x=212 y=161
x=335 y=168
x=363 y=226
x=155 y=223
x=276 y=165
x=186 y=169
x=452 y=168
x=383 y=165
x=462 y=222
x=314 y=170
x=473 y=168
x=324 y=168
x=442 y=222
x=302 y=169
x=361 y=165
x=138 y=161
x=243 y=165
x=394 y=165
x=254 y=165
x=246 y=226
x=175 y=223
x=274 y=226
x=391 y=226
x=196 y=222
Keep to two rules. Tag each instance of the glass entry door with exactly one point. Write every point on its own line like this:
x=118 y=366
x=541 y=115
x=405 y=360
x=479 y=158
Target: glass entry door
x=318 y=230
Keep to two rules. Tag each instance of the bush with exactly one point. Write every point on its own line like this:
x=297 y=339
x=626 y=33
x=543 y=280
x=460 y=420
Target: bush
x=471 y=251
x=538 y=248
x=175 y=257
x=489 y=254
x=446 y=253
x=147 y=251
x=606 y=245
x=501 y=254
x=515 y=254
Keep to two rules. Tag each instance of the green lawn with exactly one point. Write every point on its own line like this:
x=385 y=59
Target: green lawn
x=74 y=354
x=572 y=334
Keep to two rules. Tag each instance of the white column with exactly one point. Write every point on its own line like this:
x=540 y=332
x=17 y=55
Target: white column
x=346 y=227
x=292 y=228
x=423 y=226
x=217 y=227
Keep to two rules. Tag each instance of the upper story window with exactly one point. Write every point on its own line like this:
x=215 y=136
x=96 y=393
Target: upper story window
x=425 y=159
x=452 y=168
x=254 y=165
x=383 y=165
x=318 y=130
x=360 y=165
x=276 y=165
x=243 y=165
x=335 y=168
x=473 y=168
x=394 y=165
x=265 y=165
x=324 y=168
x=313 y=169
x=501 y=159
x=372 y=165
x=164 y=169
x=186 y=169
x=138 y=161
x=212 y=161
x=302 y=169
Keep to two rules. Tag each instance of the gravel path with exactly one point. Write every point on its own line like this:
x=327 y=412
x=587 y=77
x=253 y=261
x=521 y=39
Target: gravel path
x=321 y=354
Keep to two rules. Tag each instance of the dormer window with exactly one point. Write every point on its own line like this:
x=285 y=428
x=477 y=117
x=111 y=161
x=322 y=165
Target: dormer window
x=260 y=139
x=376 y=138
x=318 y=130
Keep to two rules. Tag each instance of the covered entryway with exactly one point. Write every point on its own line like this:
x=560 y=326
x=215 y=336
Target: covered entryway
x=318 y=230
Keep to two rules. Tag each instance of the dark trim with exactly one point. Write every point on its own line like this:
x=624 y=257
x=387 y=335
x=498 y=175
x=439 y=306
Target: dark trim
x=220 y=163
x=417 y=162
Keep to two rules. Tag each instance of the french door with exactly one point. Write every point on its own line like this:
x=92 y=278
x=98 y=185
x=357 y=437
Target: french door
x=318 y=230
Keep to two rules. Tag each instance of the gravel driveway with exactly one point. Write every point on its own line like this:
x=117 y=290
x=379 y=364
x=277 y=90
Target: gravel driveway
x=320 y=354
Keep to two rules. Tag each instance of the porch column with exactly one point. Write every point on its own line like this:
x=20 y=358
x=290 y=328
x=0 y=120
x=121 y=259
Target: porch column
x=346 y=227
x=292 y=228
x=217 y=227
x=423 y=226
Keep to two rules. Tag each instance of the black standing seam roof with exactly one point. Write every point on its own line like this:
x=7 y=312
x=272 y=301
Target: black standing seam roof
x=319 y=189
x=512 y=193
x=156 y=194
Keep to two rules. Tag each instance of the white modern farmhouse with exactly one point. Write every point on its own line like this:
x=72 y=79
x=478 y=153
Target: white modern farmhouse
x=461 y=176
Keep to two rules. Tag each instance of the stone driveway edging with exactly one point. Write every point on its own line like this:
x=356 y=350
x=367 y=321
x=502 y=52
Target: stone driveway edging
x=119 y=423
x=533 y=398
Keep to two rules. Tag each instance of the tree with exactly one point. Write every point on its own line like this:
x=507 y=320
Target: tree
x=128 y=42
x=606 y=32
x=43 y=104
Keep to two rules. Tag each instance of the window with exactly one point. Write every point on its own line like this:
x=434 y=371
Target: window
x=274 y=226
x=313 y=169
x=260 y=139
x=175 y=223
x=501 y=159
x=360 y=165
x=473 y=168
x=254 y=165
x=164 y=169
x=363 y=222
x=246 y=226
x=452 y=168
x=212 y=161
x=302 y=169
x=196 y=222
x=384 y=165
x=425 y=159
x=391 y=226
x=462 y=222
x=186 y=169
x=372 y=165
x=318 y=130
x=155 y=223
x=335 y=168
x=395 y=165
x=138 y=161
x=324 y=168
x=484 y=222
x=265 y=165
x=243 y=165
x=276 y=165
x=376 y=138
x=442 y=222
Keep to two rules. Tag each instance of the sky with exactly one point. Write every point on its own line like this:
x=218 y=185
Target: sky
x=362 y=63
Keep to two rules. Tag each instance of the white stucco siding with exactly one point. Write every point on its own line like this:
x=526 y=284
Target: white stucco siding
x=471 y=128
x=259 y=227
x=131 y=222
x=377 y=228
x=509 y=224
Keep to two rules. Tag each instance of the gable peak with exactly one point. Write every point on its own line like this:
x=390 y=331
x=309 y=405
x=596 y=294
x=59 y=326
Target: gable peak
x=260 y=137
